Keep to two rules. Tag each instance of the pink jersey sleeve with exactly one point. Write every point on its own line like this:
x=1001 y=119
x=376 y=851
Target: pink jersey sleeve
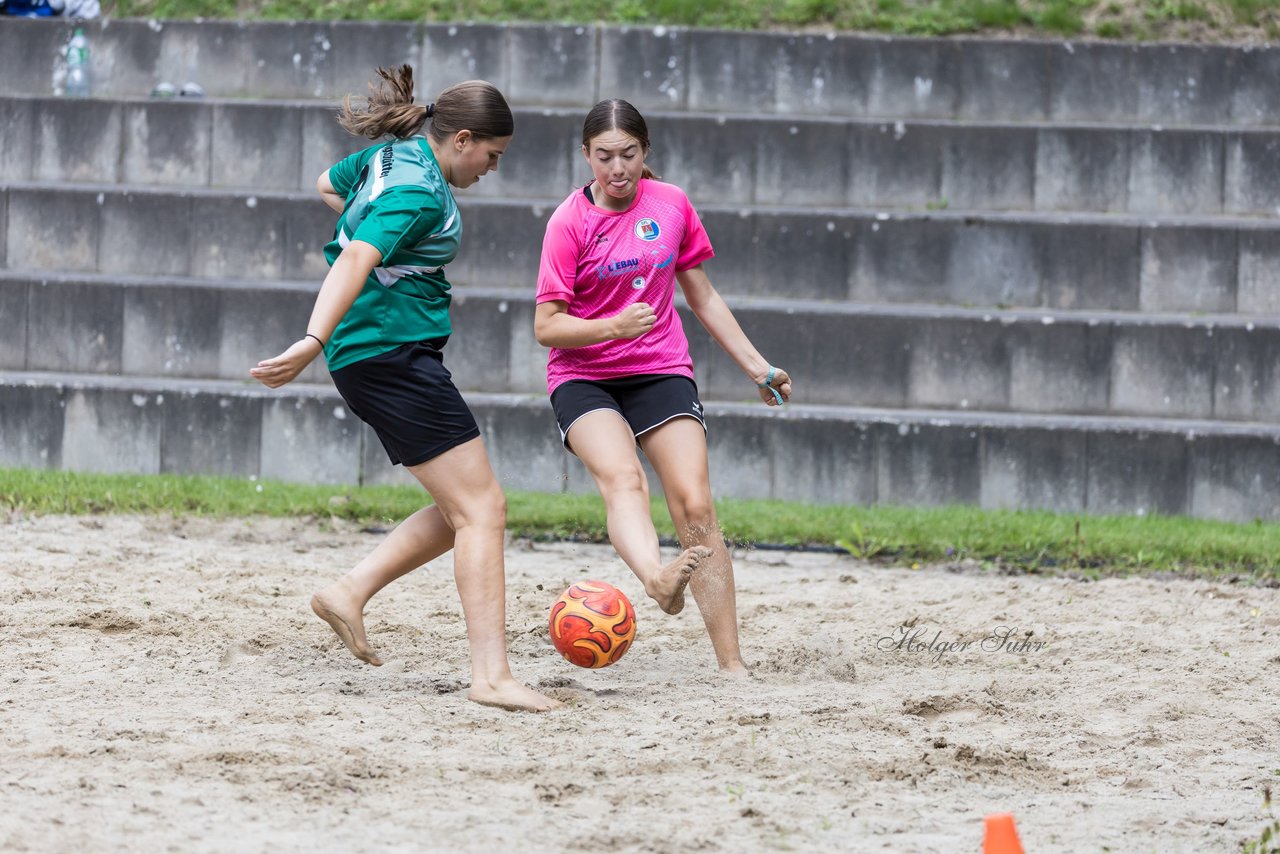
x=696 y=246
x=561 y=247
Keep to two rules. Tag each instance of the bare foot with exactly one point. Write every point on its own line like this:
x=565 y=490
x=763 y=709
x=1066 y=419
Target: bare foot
x=511 y=695
x=668 y=587
x=735 y=669
x=334 y=605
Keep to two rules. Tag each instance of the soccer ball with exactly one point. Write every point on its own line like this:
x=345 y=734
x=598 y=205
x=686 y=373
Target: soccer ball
x=592 y=624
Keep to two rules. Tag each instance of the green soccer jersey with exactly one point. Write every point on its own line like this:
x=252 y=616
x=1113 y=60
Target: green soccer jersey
x=399 y=202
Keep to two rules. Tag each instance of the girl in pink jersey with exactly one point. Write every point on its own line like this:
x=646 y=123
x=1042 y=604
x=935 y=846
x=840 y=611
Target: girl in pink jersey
x=619 y=371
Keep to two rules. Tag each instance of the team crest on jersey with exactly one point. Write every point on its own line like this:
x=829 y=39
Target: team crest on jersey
x=647 y=229
x=637 y=282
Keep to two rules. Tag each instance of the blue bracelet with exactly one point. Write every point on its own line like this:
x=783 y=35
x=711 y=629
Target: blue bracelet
x=768 y=383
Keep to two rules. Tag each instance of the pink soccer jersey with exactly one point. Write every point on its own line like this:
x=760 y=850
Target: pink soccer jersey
x=600 y=262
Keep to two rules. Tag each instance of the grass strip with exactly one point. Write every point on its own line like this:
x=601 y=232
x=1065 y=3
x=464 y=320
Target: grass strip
x=1132 y=20
x=1005 y=539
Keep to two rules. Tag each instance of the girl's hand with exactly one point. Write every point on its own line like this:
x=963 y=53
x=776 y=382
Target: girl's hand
x=284 y=368
x=637 y=319
x=775 y=386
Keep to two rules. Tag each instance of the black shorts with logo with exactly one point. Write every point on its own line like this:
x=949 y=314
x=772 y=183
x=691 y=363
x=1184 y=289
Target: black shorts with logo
x=645 y=401
x=407 y=396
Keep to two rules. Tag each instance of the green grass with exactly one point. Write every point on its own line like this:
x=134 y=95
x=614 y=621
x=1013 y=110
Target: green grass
x=1025 y=541
x=1134 y=19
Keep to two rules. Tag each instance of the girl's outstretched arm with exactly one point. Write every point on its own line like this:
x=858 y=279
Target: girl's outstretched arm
x=341 y=286
x=714 y=314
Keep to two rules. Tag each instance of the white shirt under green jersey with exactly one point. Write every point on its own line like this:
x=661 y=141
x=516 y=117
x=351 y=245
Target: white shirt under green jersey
x=399 y=202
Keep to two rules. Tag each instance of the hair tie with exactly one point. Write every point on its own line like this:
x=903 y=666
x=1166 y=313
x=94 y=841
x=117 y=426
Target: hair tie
x=431 y=109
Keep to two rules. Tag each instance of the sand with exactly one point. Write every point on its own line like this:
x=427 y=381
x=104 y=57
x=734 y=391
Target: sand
x=165 y=687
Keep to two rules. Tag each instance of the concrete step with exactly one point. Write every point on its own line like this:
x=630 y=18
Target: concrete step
x=1219 y=265
x=1158 y=365
x=671 y=68
x=819 y=454
x=736 y=159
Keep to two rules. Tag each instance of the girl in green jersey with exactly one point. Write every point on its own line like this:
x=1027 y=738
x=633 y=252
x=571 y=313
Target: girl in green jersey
x=382 y=319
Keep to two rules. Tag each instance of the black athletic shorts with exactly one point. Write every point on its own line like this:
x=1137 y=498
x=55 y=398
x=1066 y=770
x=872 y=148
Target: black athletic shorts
x=407 y=396
x=645 y=401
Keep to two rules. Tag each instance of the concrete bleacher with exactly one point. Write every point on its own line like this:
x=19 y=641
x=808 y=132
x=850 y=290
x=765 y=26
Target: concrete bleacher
x=843 y=76
x=1217 y=367
x=931 y=164
x=1012 y=274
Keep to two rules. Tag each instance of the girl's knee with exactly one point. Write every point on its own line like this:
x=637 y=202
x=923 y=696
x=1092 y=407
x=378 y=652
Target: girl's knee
x=696 y=512
x=487 y=508
x=623 y=480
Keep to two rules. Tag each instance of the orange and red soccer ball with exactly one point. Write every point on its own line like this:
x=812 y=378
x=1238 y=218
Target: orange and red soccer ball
x=592 y=624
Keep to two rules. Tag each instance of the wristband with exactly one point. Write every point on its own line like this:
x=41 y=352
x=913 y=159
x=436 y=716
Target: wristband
x=317 y=337
x=768 y=383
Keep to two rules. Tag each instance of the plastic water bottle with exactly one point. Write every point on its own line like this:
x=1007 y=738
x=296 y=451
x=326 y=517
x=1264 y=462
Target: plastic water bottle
x=78 y=65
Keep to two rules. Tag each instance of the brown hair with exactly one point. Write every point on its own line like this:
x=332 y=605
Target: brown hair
x=474 y=105
x=617 y=114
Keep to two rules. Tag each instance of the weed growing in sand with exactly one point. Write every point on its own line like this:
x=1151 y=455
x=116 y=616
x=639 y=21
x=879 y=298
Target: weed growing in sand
x=1268 y=841
x=862 y=546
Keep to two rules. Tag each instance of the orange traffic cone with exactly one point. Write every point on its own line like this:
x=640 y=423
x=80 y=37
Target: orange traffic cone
x=1001 y=837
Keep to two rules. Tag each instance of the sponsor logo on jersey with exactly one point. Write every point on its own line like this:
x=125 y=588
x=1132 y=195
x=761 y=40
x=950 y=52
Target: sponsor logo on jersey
x=613 y=268
x=647 y=229
x=379 y=181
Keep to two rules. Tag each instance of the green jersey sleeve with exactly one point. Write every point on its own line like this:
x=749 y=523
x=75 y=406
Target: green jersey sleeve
x=402 y=217
x=344 y=174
